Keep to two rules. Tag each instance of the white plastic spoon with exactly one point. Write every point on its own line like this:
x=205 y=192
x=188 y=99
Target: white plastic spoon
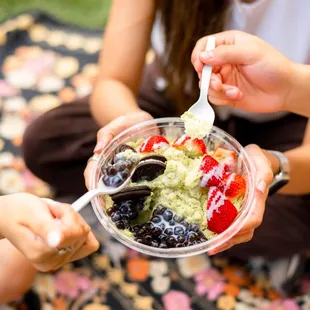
x=201 y=115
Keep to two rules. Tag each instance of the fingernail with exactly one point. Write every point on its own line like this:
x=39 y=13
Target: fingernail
x=53 y=239
x=99 y=146
x=261 y=186
x=207 y=55
x=231 y=92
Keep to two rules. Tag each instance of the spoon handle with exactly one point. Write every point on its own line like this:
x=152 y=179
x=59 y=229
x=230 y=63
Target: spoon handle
x=84 y=200
x=206 y=72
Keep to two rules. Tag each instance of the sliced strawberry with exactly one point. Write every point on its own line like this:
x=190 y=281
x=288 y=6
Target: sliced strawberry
x=227 y=158
x=220 y=211
x=233 y=186
x=153 y=143
x=191 y=147
x=213 y=172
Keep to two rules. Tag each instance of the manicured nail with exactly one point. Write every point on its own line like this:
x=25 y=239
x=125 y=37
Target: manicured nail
x=231 y=92
x=207 y=55
x=99 y=146
x=53 y=239
x=261 y=186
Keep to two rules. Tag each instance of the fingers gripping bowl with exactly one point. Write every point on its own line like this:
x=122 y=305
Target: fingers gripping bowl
x=186 y=196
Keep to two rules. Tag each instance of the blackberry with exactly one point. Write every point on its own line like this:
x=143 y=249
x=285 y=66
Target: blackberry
x=168 y=230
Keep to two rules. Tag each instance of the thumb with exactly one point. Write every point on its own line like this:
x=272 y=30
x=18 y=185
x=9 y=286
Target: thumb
x=242 y=54
x=46 y=225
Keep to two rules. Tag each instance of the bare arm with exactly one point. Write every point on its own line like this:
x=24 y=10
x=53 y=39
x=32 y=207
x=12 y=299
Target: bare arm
x=299 y=159
x=126 y=40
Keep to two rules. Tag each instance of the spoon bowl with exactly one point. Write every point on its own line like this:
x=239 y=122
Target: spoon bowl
x=103 y=189
x=202 y=110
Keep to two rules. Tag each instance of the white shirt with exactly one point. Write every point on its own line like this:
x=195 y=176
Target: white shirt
x=285 y=24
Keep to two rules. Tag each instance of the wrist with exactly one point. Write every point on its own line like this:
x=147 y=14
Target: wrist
x=293 y=80
x=297 y=100
x=274 y=162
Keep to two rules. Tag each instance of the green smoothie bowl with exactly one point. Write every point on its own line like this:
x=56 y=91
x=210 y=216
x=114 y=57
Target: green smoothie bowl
x=185 y=196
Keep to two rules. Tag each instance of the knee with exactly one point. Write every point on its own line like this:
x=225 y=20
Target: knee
x=33 y=144
x=16 y=273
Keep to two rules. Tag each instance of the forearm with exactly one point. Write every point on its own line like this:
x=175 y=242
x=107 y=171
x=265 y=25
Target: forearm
x=299 y=159
x=298 y=100
x=111 y=99
x=3 y=206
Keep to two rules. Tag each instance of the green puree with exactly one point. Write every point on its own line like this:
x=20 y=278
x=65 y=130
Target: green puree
x=177 y=189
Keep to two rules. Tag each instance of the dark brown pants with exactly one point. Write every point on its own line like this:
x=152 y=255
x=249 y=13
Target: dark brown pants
x=58 y=144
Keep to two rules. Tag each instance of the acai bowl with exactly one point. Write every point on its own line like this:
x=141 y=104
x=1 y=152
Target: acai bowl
x=186 y=196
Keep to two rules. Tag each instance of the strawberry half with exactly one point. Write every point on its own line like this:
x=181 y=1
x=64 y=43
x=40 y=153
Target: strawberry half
x=191 y=147
x=153 y=143
x=227 y=158
x=233 y=186
x=220 y=211
x=213 y=172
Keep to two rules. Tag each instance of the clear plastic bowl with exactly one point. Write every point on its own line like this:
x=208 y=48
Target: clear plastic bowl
x=173 y=128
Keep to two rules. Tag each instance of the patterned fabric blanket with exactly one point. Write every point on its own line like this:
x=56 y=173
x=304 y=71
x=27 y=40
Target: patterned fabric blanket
x=45 y=63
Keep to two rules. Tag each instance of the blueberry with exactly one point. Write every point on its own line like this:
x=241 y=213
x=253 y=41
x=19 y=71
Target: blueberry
x=106 y=180
x=125 y=174
x=120 y=225
x=139 y=240
x=156 y=231
x=185 y=224
x=160 y=210
x=110 y=211
x=179 y=231
x=156 y=220
x=124 y=208
x=141 y=231
x=193 y=227
x=134 y=229
x=128 y=164
x=111 y=171
x=148 y=226
x=180 y=239
x=116 y=216
x=178 y=218
x=171 y=241
x=126 y=222
x=119 y=157
x=116 y=181
x=133 y=215
x=133 y=159
x=147 y=239
x=163 y=245
x=120 y=165
x=167 y=215
x=162 y=226
x=140 y=205
x=172 y=223
x=168 y=231
x=192 y=237
x=179 y=245
x=155 y=244
x=162 y=238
